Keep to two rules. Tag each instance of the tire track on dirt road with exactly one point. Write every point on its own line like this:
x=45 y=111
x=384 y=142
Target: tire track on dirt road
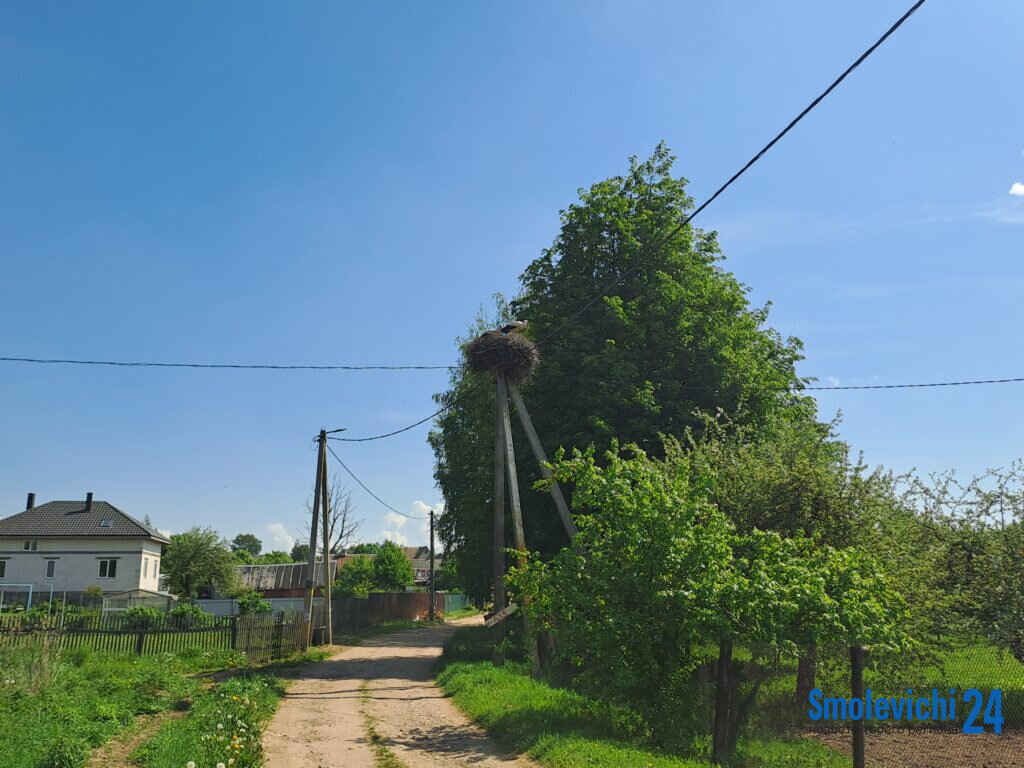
x=321 y=721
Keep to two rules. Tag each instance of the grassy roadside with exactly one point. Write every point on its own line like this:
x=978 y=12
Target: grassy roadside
x=562 y=729
x=225 y=727
x=225 y=724
x=55 y=708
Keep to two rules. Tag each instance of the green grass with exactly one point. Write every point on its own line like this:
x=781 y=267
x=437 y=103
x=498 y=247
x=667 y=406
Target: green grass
x=225 y=726
x=55 y=708
x=463 y=613
x=382 y=756
x=563 y=729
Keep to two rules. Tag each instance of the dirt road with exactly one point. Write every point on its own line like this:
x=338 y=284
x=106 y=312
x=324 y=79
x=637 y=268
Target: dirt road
x=384 y=687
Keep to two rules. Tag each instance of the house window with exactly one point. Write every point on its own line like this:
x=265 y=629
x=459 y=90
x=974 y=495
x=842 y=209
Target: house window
x=145 y=568
x=3 y=568
x=108 y=569
x=51 y=568
x=156 y=569
x=31 y=546
x=106 y=523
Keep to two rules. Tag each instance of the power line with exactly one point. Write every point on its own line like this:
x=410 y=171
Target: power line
x=236 y=366
x=452 y=404
x=363 y=486
x=761 y=153
x=679 y=227
x=917 y=385
x=926 y=384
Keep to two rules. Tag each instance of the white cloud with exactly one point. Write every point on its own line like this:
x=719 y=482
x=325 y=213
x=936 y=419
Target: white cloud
x=1017 y=188
x=399 y=539
x=279 y=538
x=423 y=508
x=165 y=532
x=395 y=520
x=832 y=381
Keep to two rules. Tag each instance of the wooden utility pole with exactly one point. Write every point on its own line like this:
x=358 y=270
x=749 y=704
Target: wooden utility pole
x=326 y=565
x=433 y=591
x=542 y=459
x=499 y=533
x=517 y=512
x=313 y=528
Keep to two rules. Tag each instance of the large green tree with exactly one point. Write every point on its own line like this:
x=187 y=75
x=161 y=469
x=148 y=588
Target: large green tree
x=198 y=558
x=392 y=570
x=673 y=336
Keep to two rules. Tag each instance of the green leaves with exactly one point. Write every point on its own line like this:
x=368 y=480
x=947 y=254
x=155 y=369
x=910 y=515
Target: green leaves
x=659 y=574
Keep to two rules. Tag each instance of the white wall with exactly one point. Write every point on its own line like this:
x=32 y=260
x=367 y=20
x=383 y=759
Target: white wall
x=77 y=563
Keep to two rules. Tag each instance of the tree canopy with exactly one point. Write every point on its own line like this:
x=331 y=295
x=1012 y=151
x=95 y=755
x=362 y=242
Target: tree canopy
x=247 y=542
x=673 y=337
x=198 y=558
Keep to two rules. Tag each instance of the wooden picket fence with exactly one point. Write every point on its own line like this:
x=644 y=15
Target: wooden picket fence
x=260 y=636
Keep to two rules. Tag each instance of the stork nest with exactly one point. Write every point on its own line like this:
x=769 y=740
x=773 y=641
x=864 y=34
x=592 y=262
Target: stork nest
x=510 y=354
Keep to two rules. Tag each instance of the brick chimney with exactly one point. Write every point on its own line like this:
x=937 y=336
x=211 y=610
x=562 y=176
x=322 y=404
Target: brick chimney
x=31 y=502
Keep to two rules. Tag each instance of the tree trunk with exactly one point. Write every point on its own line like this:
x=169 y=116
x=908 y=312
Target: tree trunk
x=806 y=672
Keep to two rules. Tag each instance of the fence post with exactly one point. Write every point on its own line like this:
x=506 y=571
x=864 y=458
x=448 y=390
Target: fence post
x=720 y=737
x=140 y=641
x=234 y=633
x=857 y=653
x=278 y=635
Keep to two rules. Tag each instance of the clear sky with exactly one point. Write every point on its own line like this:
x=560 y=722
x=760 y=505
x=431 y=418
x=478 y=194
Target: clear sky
x=342 y=183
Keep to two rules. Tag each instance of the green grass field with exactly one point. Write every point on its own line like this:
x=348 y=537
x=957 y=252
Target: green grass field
x=55 y=708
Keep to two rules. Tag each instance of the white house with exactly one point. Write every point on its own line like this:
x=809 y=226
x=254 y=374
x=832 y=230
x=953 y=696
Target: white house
x=74 y=545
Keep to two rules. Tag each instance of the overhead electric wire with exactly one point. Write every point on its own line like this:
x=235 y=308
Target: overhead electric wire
x=629 y=273
x=679 y=227
x=918 y=386
x=363 y=486
x=761 y=153
x=241 y=366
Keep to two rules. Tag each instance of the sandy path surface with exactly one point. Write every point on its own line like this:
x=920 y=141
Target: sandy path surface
x=322 y=720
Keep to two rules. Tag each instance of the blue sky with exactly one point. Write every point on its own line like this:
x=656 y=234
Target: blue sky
x=336 y=183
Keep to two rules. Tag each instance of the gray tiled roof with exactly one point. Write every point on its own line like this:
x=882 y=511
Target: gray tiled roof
x=69 y=518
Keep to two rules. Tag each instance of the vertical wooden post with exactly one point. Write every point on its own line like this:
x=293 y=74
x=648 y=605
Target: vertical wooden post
x=720 y=738
x=311 y=559
x=542 y=459
x=857 y=654
x=327 y=574
x=433 y=592
x=517 y=513
x=499 y=530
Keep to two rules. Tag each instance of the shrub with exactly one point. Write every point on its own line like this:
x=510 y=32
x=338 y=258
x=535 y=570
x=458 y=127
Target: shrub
x=190 y=615
x=251 y=601
x=141 y=617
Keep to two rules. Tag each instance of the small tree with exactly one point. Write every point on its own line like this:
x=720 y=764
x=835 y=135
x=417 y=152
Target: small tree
x=392 y=570
x=658 y=575
x=355 y=577
x=300 y=553
x=247 y=542
x=197 y=558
